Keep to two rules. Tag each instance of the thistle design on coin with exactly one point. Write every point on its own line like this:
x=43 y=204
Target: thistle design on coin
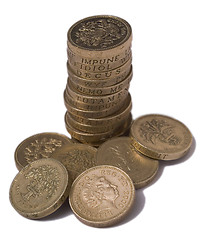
x=159 y=130
x=41 y=148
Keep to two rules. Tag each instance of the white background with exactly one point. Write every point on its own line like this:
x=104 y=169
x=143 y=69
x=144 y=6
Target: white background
x=166 y=62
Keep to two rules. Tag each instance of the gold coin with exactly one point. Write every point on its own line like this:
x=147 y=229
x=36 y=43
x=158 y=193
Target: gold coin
x=39 y=188
x=92 y=129
x=102 y=90
x=118 y=116
x=76 y=158
x=108 y=75
x=38 y=146
x=160 y=137
x=96 y=100
x=102 y=196
x=95 y=83
x=92 y=114
x=119 y=152
x=113 y=101
x=97 y=138
x=83 y=40
x=99 y=65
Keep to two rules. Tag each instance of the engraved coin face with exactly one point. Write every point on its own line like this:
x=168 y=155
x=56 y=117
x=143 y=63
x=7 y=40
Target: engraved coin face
x=101 y=196
x=120 y=152
x=38 y=146
x=39 y=188
x=160 y=137
x=99 y=33
x=76 y=158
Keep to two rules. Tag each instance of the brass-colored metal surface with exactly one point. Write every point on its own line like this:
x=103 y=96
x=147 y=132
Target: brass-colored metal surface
x=160 y=137
x=92 y=138
x=41 y=145
x=118 y=116
x=95 y=83
x=92 y=114
x=119 y=152
x=92 y=36
x=104 y=103
x=102 y=90
x=76 y=158
x=39 y=188
x=92 y=129
x=102 y=196
x=101 y=75
x=99 y=64
x=96 y=100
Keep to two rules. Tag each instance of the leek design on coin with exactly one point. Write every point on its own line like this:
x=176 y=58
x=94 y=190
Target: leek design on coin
x=160 y=137
x=101 y=196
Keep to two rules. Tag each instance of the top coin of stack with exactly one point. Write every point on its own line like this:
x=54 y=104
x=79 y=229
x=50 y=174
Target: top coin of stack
x=99 y=73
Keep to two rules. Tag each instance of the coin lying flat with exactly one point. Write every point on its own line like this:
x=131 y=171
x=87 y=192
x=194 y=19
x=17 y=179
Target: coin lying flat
x=101 y=196
x=119 y=152
x=160 y=137
x=39 y=188
x=38 y=146
x=76 y=158
x=99 y=36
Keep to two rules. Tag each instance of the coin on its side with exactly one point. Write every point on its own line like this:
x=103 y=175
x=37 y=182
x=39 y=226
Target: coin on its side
x=101 y=196
x=119 y=152
x=39 y=188
x=160 y=137
x=41 y=145
x=76 y=158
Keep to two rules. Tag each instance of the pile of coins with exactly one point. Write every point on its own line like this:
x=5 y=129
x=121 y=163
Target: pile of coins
x=99 y=68
x=101 y=182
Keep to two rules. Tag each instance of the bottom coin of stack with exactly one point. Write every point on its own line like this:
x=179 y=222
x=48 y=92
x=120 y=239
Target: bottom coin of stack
x=101 y=182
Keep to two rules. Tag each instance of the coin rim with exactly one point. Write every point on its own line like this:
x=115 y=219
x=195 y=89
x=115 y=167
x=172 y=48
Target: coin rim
x=17 y=162
x=160 y=155
x=119 y=216
x=128 y=26
x=55 y=205
x=139 y=184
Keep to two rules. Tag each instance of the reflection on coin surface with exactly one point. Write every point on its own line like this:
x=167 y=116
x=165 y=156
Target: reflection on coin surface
x=160 y=137
x=39 y=188
x=99 y=33
x=38 y=146
x=101 y=196
x=119 y=152
x=76 y=158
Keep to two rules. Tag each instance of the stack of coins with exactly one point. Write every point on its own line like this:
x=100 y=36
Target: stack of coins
x=99 y=73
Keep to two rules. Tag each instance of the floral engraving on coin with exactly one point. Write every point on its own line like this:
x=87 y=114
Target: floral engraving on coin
x=100 y=194
x=43 y=180
x=41 y=149
x=82 y=159
x=159 y=130
x=100 y=33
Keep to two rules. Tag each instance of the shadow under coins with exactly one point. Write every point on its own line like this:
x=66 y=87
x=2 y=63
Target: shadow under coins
x=140 y=197
x=62 y=212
